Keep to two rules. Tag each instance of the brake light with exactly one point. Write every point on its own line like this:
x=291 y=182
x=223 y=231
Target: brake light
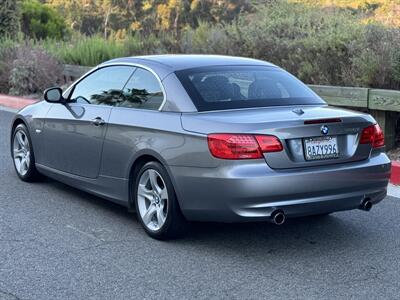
x=319 y=121
x=242 y=146
x=373 y=135
x=269 y=143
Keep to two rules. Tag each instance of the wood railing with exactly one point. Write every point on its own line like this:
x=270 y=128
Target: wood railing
x=375 y=99
x=384 y=105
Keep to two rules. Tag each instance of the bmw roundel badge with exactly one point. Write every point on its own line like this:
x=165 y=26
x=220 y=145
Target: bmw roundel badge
x=324 y=129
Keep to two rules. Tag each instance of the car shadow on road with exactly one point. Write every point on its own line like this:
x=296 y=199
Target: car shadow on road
x=89 y=199
x=337 y=231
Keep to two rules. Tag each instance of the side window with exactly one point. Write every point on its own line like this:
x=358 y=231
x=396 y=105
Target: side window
x=103 y=86
x=143 y=90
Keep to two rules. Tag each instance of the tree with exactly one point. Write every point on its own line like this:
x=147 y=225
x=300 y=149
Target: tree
x=40 y=21
x=9 y=17
x=71 y=10
x=148 y=16
x=169 y=14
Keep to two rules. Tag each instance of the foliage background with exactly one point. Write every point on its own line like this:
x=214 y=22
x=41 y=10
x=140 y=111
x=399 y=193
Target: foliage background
x=333 y=42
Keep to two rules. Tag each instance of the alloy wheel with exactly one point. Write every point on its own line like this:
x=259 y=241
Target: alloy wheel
x=152 y=199
x=21 y=152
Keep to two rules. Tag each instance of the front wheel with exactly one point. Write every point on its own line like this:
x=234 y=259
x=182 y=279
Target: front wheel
x=22 y=154
x=156 y=204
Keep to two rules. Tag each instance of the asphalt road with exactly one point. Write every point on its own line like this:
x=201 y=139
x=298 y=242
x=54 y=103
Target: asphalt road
x=59 y=243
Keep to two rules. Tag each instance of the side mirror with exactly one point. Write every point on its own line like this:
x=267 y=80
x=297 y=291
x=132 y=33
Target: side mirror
x=54 y=95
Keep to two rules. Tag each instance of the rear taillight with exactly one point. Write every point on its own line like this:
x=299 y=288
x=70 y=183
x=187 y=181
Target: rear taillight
x=242 y=146
x=269 y=143
x=373 y=135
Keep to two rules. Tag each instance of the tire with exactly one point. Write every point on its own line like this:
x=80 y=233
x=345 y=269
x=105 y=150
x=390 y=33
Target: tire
x=22 y=154
x=156 y=204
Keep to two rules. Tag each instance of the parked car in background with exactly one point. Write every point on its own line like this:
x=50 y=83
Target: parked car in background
x=204 y=138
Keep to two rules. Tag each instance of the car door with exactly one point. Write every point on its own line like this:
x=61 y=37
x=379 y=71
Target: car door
x=74 y=132
x=132 y=124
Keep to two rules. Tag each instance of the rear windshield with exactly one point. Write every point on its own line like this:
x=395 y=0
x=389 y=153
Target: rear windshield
x=230 y=87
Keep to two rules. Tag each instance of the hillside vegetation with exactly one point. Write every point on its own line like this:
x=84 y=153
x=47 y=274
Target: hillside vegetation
x=383 y=11
x=348 y=43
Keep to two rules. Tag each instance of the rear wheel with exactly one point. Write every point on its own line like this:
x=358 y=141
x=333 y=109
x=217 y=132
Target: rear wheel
x=23 y=156
x=156 y=204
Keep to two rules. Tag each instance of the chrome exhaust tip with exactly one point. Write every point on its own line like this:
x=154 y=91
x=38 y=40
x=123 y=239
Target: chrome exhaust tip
x=366 y=205
x=278 y=217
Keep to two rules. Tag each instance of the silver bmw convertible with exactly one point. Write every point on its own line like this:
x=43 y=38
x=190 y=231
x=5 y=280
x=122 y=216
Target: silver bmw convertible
x=178 y=138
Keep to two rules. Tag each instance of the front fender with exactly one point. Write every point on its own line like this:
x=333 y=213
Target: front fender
x=33 y=116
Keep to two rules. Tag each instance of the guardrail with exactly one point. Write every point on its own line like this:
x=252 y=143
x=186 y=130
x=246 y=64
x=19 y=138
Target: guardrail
x=375 y=99
x=384 y=105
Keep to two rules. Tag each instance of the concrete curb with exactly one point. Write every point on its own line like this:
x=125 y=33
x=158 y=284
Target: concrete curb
x=393 y=190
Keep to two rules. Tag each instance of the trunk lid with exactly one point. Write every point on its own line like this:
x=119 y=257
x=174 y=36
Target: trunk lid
x=291 y=125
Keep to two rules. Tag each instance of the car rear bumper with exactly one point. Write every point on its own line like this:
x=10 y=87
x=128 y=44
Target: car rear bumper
x=251 y=191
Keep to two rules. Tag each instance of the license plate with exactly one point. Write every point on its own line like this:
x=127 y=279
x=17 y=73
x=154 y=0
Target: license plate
x=324 y=147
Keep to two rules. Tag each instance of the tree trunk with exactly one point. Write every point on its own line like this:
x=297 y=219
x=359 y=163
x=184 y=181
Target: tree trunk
x=176 y=23
x=106 y=22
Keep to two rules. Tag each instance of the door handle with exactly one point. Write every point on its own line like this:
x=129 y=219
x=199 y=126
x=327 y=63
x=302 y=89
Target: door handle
x=98 y=121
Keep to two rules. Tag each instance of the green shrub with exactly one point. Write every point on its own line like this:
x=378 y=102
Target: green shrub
x=307 y=41
x=7 y=56
x=376 y=61
x=85 y=51
x=32 y=70
x=20 y=77
x=139 y=44
x=39 y=21
x=206 y=39
x=9 y=17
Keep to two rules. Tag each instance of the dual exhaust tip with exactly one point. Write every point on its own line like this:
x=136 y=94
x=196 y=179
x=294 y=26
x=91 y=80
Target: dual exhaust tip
x=366 y=204
x=278 y=217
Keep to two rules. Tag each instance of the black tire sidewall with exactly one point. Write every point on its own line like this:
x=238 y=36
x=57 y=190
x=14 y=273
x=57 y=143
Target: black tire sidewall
x=172 y=204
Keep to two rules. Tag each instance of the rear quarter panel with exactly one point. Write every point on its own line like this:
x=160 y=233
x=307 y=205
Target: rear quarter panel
x=132 y=133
